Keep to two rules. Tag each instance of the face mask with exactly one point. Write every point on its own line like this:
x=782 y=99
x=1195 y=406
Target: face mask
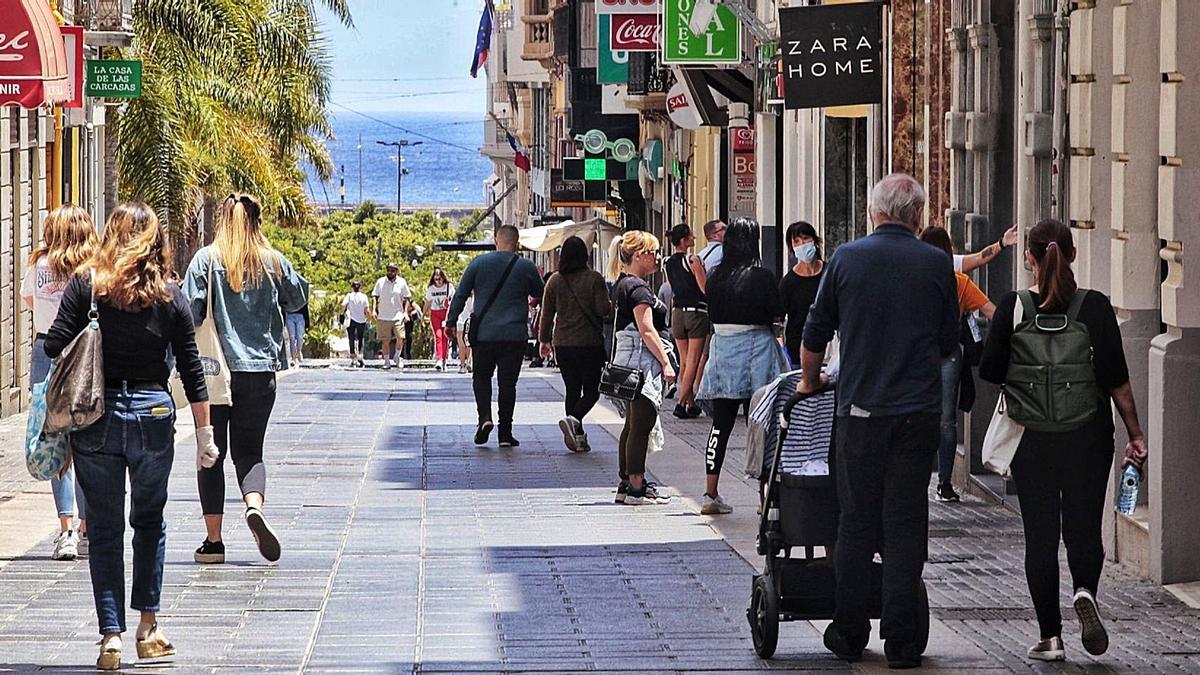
x=806 y=253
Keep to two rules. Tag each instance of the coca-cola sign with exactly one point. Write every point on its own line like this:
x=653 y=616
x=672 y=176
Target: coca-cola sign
x=628 y=6
x=636 y=33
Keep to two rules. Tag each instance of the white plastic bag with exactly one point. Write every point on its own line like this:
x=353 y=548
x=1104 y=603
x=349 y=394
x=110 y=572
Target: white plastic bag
x=1003 y=434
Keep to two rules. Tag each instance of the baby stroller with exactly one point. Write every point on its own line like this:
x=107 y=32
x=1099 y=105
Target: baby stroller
x=800 y=511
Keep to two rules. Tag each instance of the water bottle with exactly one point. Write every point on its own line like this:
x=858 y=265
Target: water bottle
x=1131 y=478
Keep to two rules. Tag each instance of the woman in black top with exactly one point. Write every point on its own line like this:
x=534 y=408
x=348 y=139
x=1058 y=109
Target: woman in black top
x=744 y=304
x=798 y=289
x=689 y=316
x=1062 y=478
x=140 y=315
x=640 y=315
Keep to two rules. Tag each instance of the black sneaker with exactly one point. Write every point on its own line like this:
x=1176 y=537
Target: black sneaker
x=843 y=647
x=507 y=440
x=210 y=553
x=681 y=412
x=901 y=655
x=622 y=491
x=1095 y=637
x=945 y=493
x=264 y=536
x=483 y=432
x=694 y=412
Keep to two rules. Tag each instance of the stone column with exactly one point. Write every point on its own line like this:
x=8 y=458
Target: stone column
x=1090 y=139
x=1035 y=115
x=1173 y=424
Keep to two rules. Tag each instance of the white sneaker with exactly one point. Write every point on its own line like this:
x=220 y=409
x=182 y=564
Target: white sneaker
x=462 y=368
x=715 y=506
x=399 y=363
x=66 y=547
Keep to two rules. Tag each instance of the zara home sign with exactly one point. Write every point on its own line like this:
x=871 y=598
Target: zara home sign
x=832 y=55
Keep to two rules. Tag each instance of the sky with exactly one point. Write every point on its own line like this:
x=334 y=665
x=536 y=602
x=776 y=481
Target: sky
x=407 y=56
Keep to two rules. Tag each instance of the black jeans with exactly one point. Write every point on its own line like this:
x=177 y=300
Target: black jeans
x=580 y=367
x=1062 y=481
x=357 y=333
x=239 y=430
x=406 y=351
x=883 y=466
x=504 y=359
x=724 y=413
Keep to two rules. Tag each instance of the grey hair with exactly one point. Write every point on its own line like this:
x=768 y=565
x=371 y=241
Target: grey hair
x=898 y=196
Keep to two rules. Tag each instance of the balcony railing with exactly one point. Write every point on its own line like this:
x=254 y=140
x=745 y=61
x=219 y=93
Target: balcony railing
x=495 y=143
x=539 y=39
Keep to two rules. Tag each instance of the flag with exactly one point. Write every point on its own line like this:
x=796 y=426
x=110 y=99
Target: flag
x=483 y=41
x=522 y=158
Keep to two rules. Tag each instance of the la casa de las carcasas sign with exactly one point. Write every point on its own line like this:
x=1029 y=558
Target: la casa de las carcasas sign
x=832 y=55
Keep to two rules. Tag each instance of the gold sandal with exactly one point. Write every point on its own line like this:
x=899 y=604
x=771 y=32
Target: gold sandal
x=110 y=653
x=155 y=645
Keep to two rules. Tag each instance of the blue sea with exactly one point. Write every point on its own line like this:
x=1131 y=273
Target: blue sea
x=446 y=169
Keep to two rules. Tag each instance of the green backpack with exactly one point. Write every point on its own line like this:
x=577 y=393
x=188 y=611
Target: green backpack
x=1051 y=383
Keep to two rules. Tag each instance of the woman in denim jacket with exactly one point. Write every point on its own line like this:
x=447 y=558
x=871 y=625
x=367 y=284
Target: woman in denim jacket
x=251 y=282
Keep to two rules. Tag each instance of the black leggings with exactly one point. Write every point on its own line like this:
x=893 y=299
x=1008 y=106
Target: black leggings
x=724 y=414
x=239 y=430
x=358 y=336
x=640 y=417
x=581 y=368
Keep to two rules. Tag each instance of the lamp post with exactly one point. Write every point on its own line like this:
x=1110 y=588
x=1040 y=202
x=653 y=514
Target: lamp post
x=400 y=170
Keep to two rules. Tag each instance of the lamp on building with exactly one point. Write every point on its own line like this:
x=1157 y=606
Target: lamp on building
x=112 y=15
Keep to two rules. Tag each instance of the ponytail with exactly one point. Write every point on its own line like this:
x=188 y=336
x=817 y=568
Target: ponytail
x=625 y=247
x=1053 y=247
x=614 y=258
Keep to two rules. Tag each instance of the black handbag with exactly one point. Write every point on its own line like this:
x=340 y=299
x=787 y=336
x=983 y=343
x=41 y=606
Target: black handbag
x=475 y=322
x=620 y=382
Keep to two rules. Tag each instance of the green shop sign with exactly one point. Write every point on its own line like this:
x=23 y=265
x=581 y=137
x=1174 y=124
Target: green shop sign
x=720 y=42
x=611 y=67
x=113 y=79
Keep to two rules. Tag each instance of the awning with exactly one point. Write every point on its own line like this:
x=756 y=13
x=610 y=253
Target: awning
x=33 y=61
x=550 y=237
x=705 y=82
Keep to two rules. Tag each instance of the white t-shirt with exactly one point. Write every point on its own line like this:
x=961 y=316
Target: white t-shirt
x=356 y=306
x=439 y=297
x=391 y=295
x=468 y=308
x=958 y=262
x=46 y=290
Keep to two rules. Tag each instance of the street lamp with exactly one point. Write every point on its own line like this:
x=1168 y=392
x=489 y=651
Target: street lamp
x=400 y=170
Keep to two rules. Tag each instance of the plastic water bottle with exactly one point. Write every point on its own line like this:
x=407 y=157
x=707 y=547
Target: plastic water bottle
x=1131 y=478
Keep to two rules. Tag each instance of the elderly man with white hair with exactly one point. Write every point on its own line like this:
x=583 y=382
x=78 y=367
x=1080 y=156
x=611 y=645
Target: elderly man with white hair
x=891 y=298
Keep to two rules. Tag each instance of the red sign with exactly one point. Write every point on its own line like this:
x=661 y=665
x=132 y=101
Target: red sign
x=73 y=42
x=629 y=7
x=33 y=63
x=636 y=33
x=743 y=192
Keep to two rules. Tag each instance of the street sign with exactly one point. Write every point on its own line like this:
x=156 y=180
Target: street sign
x=114 y=79
x=612 y=67
x=720 y=43
x=832 y=55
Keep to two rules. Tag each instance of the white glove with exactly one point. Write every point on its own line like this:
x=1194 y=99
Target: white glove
x=206 y=449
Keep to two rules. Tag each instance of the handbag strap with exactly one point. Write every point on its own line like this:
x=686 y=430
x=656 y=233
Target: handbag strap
x=496 y=291
x=93 y=312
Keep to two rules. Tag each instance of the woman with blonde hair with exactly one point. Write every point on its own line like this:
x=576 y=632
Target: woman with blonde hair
x=250 y=283
x=640 y=315
x=141 y=315
x=69 y=238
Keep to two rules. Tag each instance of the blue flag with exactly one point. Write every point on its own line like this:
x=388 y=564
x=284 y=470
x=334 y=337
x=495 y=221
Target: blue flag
x=483 y=41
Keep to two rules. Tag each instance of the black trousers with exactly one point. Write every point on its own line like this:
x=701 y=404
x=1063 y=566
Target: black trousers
x=1062 y=481
x=883 y=467
x=580 y=368
x=406 y=350
x=503 y=359
x=725 y=412
x=239 y=431
x=357 y=332
x=634 y=443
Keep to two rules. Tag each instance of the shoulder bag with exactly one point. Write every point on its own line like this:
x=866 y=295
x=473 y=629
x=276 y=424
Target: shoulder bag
x=75 y=390
x=212 y=355
x=476 y=320
x=620 y=382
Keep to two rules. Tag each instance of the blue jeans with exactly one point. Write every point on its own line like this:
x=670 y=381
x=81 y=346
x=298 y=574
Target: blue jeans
x=130 y=438
x=295 y=329
x=948 y=445
x=64 y=489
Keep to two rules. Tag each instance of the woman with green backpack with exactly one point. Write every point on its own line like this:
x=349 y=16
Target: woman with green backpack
x=1056 y=351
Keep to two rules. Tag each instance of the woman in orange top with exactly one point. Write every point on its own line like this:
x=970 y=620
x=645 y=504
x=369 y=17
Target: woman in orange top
x=970 y=299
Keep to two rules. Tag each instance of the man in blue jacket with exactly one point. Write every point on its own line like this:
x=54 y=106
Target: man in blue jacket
x=502 y=282
x=892 y=300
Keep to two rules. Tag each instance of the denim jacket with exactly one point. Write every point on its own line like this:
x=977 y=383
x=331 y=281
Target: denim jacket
x=250 y=323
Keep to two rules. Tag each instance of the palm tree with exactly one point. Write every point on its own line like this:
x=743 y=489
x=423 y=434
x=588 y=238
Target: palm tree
x=235 y=98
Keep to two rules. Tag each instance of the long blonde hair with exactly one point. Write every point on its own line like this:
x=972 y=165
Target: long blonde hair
x=134 y=261
x=240 y=242
x=70 y=241
x=625 y=247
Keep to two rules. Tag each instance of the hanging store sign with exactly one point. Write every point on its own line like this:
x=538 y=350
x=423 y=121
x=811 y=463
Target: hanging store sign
x=565 y=192
x=742 y=173
x=681 y=106
x=73 y=45
x=635 y=32
x=832 y=55
x=629 y=7
x=612 y=67
x=114 y=79
x=721 y=42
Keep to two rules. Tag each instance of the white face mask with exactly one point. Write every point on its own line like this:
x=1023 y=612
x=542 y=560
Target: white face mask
x=806 y=253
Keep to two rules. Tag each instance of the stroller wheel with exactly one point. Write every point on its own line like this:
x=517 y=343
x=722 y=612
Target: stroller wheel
x=922 y=618
x=764 y=615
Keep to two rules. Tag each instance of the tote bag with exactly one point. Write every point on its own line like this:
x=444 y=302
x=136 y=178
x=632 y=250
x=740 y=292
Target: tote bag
x=212 y=356
x=1003 y=434
x=46 y=454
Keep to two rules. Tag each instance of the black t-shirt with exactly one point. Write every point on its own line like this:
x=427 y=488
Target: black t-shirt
x=798 y=294
x=685 y=290
x=631 y=291
x=744 y=296
x=1108 y=355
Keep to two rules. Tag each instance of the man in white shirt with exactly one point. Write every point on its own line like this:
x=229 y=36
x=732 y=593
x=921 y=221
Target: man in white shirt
x=357 y=307
x=393 y=302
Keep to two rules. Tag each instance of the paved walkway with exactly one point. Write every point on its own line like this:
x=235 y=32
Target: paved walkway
x=407 y=549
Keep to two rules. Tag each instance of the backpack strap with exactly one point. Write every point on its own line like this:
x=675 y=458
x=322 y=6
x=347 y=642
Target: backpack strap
x=1076 y=304
x=1026 y=299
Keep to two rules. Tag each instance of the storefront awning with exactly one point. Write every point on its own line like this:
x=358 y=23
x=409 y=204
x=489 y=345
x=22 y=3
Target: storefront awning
x=729 y=83
x=33 y=60
x=550 y=237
